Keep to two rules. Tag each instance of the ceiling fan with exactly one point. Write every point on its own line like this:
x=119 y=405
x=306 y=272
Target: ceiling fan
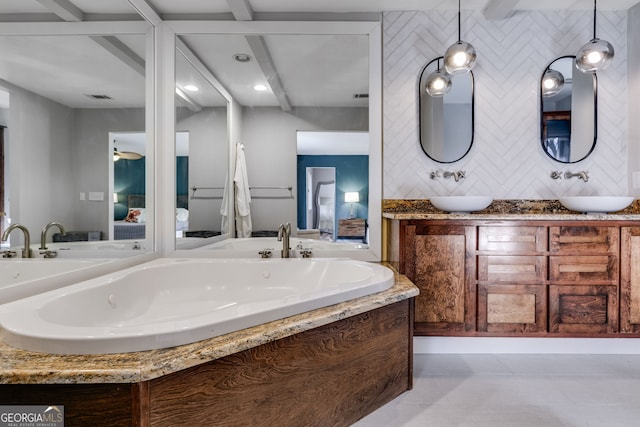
x=126 y=155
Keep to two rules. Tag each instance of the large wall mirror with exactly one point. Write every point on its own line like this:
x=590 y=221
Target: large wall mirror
x=70 y=103
x=446 y=122
x=284 y=82
x=568 y=118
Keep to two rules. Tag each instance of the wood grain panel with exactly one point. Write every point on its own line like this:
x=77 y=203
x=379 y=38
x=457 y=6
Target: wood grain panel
x=84 y=404
x=512 y=239
x=584 y=239
x=601 y=269
x=329 y=376
x=512 y=308
x=523 y=269
x=630 y=280
x=583 y=309
x=440 y=276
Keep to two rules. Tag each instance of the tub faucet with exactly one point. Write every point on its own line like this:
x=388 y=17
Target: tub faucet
x=26 y=252
x=284 y=231
x=583 y=175
x=43 y=235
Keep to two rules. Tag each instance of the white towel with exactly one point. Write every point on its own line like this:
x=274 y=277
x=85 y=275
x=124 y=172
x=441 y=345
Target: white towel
x=242 y=195
x=224 y=208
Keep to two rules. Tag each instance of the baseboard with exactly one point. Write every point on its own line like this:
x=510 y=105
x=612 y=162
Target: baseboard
x=491 y=345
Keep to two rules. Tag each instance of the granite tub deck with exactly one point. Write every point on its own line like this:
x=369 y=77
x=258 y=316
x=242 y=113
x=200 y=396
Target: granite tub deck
x=337 y=364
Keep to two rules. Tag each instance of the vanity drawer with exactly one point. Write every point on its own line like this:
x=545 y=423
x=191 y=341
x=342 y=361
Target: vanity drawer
x=517 y=269
x=583 y=309
x=584 y=239
x=601 y=269
x=512 y=308
x=512 y=239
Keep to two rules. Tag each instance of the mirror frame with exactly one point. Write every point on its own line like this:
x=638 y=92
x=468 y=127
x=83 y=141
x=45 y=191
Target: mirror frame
x=473 y=111
x=595 y=112
x=115 y=28
x=176 y=28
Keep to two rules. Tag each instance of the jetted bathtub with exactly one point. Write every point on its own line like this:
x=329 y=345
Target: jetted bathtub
x=172 y=301
x=251 y=246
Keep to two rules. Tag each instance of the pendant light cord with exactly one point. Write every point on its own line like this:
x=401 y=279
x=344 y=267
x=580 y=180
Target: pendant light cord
x=459 y=37
x=594 y=18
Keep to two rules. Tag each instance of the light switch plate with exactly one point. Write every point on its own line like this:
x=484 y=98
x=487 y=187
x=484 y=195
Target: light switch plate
x=83 y=195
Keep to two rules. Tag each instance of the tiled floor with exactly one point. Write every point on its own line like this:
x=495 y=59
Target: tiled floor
x=517 y=390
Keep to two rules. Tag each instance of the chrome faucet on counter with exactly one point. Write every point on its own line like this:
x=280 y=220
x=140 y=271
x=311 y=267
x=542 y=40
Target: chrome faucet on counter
x=43 y=238
x=26 y=252
x=284 y=231
x=583 y=175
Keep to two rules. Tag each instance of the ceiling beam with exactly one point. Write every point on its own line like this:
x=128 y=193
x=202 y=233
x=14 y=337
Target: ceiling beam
x=241 y=10
x=121 y=51
x=145 y=10
x=499 y=9
x=265 y=61
x=188 y=102
x=201 y=68
x=64 y=9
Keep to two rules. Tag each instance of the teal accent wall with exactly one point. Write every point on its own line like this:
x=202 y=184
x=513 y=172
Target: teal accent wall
x=352 y=174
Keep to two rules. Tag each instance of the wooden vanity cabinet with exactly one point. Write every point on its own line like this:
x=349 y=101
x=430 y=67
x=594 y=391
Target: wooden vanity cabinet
x=523 y=278
x=439 y=260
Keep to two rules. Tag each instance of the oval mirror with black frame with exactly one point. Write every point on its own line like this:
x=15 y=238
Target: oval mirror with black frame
x=568 y=118
x=446 y=122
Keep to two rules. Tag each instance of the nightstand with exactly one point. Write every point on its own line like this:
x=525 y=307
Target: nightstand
x=352 y=227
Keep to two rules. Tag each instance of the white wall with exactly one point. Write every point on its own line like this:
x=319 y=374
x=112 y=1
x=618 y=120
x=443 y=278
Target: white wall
x=634 y=94
x=269 y=136
x=208 y=159
x=506 y=160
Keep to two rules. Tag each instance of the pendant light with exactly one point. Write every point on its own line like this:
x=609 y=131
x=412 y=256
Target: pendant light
x=596 y=54
x=552 y=82
x=461 y=56
x=438 y=82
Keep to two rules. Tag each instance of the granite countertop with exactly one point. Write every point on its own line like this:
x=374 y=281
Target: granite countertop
x=24 y=367
x=505 y=210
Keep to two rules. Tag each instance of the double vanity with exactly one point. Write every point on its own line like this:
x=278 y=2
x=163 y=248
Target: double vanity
x=519 y=268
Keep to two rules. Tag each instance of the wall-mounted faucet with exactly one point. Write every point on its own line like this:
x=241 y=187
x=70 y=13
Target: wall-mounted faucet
x=284 y=231
x=457 y=175
x=583 y=175
x=43 y=235
x=556 y=175
x=26 y=252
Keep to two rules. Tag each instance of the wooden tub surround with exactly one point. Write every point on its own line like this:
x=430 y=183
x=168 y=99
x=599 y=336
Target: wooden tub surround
x=330 y=366
x=544 y=274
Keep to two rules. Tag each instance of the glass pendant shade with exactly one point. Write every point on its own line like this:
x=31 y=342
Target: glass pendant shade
x=438 y=83
x=595 y=55
x=552 y=82
x=459 y=58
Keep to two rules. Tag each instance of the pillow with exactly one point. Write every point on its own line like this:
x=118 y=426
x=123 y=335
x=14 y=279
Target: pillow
x=182 y=214
x=136 y=215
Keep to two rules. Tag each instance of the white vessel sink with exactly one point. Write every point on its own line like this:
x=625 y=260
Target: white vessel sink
x=596 y=204
x=461 y=204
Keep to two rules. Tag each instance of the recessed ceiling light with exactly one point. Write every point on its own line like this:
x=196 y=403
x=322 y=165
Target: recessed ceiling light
x=260 y=87
x=242 y=57
x=191 y=88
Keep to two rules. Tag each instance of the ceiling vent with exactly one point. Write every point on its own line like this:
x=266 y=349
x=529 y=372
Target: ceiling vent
x=99 y=96
x=360 y=95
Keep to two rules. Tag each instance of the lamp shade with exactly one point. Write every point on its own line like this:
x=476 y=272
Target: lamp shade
x=351 y=197
x=460 y=58
x=438 y=83
x=594 y=55
x=115 y=197
x=552 y=82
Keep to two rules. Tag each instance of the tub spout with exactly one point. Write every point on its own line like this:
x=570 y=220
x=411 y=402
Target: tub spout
x=26 y=252
x=284 y=231
x=43 y=235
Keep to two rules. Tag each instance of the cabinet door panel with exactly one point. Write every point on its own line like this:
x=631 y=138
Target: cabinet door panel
x=630 y=280
x=583 y=309
x=512 y=308
x=601 y=269
x=583 y=239
x=522 y=269
x=512 y=239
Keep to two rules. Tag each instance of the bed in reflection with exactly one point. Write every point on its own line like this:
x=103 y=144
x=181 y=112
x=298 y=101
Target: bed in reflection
x=133 y=226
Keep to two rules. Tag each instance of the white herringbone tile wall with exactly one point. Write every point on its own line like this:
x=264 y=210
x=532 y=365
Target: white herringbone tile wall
x=506 y=160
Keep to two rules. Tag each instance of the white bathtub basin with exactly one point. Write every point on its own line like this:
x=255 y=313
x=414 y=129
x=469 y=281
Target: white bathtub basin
x=596 y=204
x=461 y=204
x=250 y=247
x=170 y=302
x=20 y=278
